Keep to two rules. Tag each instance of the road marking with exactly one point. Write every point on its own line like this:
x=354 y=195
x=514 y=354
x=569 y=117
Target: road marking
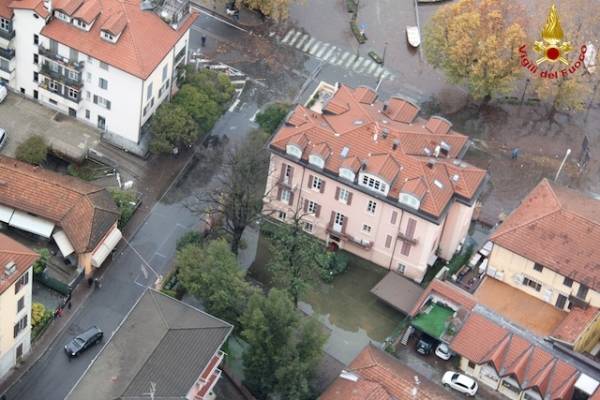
x=287 y=36
x=295 y=37
x=322 y=50
x=328 y=54
x=234 y=105
x=350 y=61
x=358 y=63
x=378 y=70
x=314 y=48
x=371 y=68
x=385 y=74
x=302 y=39
x=344 y=56
x=364 y=66
x=307 y=45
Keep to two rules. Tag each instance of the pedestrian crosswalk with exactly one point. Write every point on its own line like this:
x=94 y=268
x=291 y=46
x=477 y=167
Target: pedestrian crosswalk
x=334 y=55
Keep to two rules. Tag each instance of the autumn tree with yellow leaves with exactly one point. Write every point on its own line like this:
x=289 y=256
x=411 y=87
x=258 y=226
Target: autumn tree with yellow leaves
x=275 y=9
x=476 y=43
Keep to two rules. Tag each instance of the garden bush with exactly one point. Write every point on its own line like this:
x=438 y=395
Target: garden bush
x=33 y=150
x=271 y=117
x=126 y=201
x=337 y=263
x=191 y=237
x=40 y=328
x=40 y=264
x=37 y=313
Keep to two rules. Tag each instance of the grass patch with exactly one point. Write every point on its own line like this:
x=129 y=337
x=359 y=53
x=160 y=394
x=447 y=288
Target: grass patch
x=433 y=320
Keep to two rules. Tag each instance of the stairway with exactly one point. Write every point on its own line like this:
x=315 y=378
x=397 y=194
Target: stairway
x=237 y=77
x=407 y=334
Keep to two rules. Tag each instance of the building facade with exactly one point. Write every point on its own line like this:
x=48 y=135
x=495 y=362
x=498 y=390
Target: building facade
x=370 y=177
x=107 y=63
x=15 y=302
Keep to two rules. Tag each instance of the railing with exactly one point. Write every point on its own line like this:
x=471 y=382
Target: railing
x=8 y=35
x=405 y=238
x=578 y=302
x=7 y=69
x=8 y=54
x=77 y=66
x=74 y=83
x=64 y=94
x=179 y=56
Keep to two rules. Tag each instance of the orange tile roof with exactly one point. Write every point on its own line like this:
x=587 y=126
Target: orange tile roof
x=365 y=94
x=88 y=11
x=5 y=10
x=444 y=289
x=142 y=46
x=481 y=340
x=397 y=148
x=558 y=228
x=67 y=6
x=84 y=211
x=382 y=377
x=576 y=321
x=438 y=125
x=35 y=5
x=115 y=23
x=13 y=251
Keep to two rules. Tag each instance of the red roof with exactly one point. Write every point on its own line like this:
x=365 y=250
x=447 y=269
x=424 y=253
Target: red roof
x=483 y=341
x=12 y=251
x=35 y=5
x=450 y=292
x=5 y=10
x=143 y=44
x=558 y=228
x=576 y=321
x=379 y=376
x=393 y=144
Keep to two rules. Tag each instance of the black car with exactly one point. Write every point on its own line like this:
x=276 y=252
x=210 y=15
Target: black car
x=83 y=341
x=425 y=345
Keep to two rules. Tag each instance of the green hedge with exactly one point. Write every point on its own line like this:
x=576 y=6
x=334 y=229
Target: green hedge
x=53 y=284
x=41 y=327
x=352 y=6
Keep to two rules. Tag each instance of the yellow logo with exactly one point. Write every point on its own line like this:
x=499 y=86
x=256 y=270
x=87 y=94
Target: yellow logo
x=552 y=48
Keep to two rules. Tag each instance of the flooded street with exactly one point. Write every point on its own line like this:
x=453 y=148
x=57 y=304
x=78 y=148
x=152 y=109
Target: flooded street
x=346 y=307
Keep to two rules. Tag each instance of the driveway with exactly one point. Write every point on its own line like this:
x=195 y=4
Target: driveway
x=23 y=118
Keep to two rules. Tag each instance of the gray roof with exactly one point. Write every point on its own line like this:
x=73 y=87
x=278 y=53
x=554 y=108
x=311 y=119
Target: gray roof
x=163 y=341
x=398 y=291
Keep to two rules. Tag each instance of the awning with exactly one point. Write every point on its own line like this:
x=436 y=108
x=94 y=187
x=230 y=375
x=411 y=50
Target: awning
x=6 y=213
x=31 y=224
x=104 y=249
x=398 y=291
x=63 y=243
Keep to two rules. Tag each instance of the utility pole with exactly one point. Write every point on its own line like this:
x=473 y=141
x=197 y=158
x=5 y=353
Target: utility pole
x=384 y=50
x=523 y=95
x=562 y=164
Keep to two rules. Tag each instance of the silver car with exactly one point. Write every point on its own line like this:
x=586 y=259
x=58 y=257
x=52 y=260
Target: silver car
x=3 y=137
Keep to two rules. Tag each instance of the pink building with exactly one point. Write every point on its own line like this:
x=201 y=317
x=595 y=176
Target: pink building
x=374 y=179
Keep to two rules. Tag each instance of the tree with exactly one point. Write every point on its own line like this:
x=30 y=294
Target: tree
x=283 y=349
x=238 y=200
x=271 y=117
x=213 y=274
x=475 y=42
x=38 y=310
x=40 y=264
x=297 y=258
x=204 y=110
x=34 y=150
x=276 y=9
x=216 y=85
x=171 y=127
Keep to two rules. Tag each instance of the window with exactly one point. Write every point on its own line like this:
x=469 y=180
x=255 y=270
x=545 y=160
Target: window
x=287 y=174
x=101 y=101
x=344 y=195
x=568 y=282
x=366 y=228
x=80 y=23
x=108 y=36
x=73 y=94
x=582 y=291
x=371 y=207
x=36 y=58
x=311 y=207
x=317 y=183
x=347 y=174
x=149 y=91
x=87 y=114
x=73 y=55
x=19 y=326
x=401 y=268
x=511 y=386
x=532 y=284
x=36 y=39
x=388 y=241
x=293 y=150
x=471 y=364
x=53 y=85
x=88 y=77
x=36 y=77
x=165 y=72
x=73 y=75
x=409 y=200
x=308 y=227
x=101 y=122
x=52 y=101
x=285 y=196
x=281 y=215
x=104 y=66
x=561 y=301
x=373 y=183
x=102 y=83
x=537 y=267
x=20 y=304
x=4 y=24
x=53 y=66
x=315 y=160
x=88 y=95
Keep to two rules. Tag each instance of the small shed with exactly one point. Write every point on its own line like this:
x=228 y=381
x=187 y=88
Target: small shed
x=398 y=291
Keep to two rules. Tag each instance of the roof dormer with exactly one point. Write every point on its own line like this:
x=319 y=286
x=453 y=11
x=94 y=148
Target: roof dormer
x=113 y=27
x=296 y=145
x=412 y=193
x=86 y=15
x=319 y=154
x=349 y=168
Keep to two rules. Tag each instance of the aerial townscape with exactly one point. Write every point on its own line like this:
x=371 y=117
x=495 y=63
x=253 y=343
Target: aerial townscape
x=299 y=199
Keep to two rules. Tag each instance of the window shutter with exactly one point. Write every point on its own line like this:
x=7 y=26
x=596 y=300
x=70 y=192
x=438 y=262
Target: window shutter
x=322 y=186
x=95 y=99
x=410 y=228
x=349 y=202
x=317 y=211
x=337 y=193
x=282 y=175
x=108 y=104
x=332 y=219
x=279 y=193
x=388 y=241
x=310 y=181
x=305 y=205
x=291 y=175
x=394 y=217
x=291 y=198
x=15 y=330
x=344 y=224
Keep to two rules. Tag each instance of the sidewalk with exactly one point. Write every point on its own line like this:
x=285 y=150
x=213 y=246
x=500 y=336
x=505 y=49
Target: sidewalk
x=248 y=18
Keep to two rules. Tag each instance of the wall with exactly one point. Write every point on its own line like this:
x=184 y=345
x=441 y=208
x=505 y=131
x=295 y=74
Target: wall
x=589 y=337
x=456 y=228
x=512 y=265
x=9 y=316
x=26 y=25
x=426 y=233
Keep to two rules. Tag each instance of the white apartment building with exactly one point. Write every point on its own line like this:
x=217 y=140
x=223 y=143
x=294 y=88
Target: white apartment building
x=108 y=63
x=15 y=302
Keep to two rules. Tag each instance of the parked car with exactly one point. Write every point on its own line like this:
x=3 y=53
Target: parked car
x=82 y=342
x=459 y=382
x=3 y=92
x=443 y=351
x=3 y=137
x=425 y=345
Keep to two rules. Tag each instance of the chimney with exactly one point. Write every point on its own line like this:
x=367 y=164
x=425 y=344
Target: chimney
x=363 y=166
x=385 y=106
x=436 y=151
x=384 y=133
x=395 y=144
x=430 y=163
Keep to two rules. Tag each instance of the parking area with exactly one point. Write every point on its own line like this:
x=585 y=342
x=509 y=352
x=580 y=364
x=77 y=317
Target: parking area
x=22 y=118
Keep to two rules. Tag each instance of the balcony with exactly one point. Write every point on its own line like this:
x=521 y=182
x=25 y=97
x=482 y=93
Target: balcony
x=65 y=79
x=8 y=35
x=405 y=238
x=364 y=244
x=7 y=54
x=65 y=62
x=578 y=302
x=61 y=91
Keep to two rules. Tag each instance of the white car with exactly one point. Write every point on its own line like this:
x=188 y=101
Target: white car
x=443 y=351
x=459 y=382
x=3 y=92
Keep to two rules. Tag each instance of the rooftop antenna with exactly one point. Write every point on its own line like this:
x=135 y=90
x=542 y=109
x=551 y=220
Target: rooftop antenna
x=152 y=391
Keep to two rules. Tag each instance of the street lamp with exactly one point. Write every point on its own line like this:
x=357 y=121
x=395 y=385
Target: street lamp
x=562 y=164
x=384 y=50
